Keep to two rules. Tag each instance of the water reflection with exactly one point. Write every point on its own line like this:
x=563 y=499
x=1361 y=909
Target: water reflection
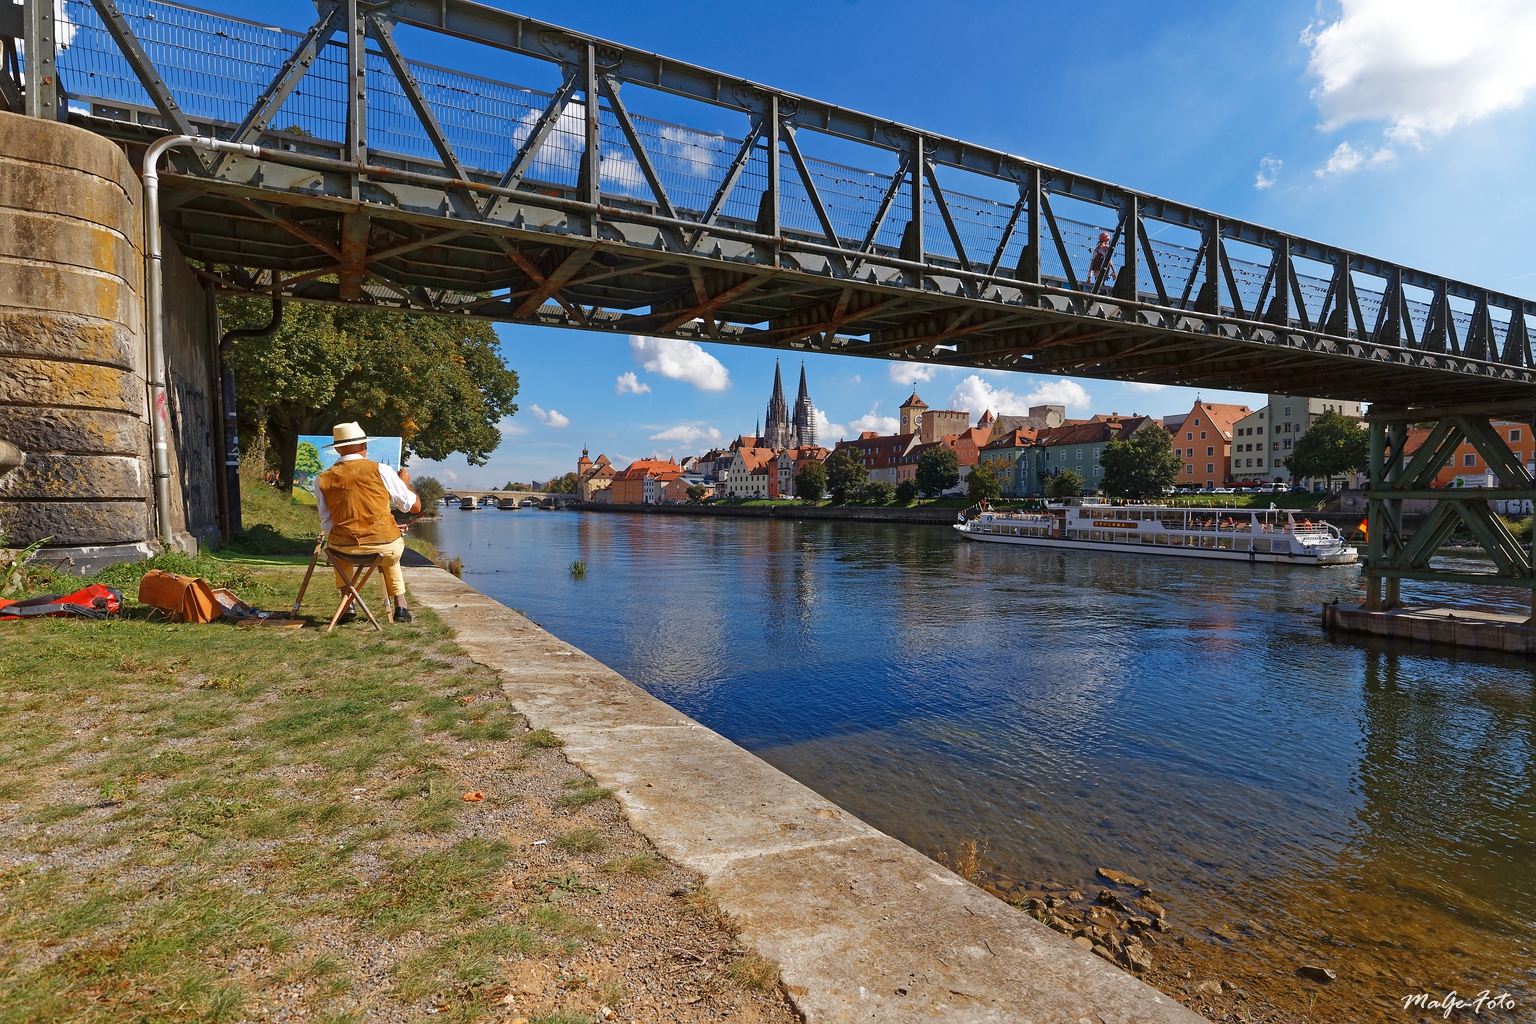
x=1188 y=722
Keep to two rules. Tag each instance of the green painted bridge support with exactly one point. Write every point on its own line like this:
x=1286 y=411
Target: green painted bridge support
x=1398 y=475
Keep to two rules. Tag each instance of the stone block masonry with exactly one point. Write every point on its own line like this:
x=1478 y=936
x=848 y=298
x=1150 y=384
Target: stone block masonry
x=865 y=927
x=73 y=395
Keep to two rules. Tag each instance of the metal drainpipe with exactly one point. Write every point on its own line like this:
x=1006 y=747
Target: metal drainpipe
x=152 y=312
x=231 y=419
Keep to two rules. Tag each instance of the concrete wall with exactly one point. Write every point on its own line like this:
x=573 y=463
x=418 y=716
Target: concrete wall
x=190 y=326
x=73 y=393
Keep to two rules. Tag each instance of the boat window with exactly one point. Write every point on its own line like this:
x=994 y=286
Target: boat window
x=1162 y=538
x=1146 y=538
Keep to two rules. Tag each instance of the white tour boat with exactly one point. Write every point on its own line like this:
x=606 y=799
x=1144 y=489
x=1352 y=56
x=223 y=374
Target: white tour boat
x=1241 y=534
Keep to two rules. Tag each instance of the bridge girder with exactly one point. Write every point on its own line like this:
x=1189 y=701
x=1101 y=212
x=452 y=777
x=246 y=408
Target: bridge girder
x=343 y=220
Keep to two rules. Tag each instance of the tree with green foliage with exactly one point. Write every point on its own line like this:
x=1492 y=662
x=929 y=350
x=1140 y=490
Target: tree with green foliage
x=1142 y=466
x=877 y=492
x=307 y=458
x=906 y=492
x=429 y=490
x=983 y=484
x=1066 y=484
x=845 y=473
x=1335 y=445
x=811 y=481
x=566 y=484
x=696 y=492
x=938 y=469
x=437 y=382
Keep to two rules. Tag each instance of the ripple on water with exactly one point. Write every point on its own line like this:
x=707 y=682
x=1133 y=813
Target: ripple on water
x=1291 y=799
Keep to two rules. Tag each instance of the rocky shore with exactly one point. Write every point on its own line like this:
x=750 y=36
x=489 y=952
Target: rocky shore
x=1123 y=919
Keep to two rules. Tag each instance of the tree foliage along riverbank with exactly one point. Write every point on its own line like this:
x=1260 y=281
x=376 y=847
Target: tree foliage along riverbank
x=1333 y=446
x=437 y=382
x=1142 y=466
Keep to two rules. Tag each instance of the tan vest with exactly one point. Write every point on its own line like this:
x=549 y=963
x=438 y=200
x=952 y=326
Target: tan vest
x=358 y=503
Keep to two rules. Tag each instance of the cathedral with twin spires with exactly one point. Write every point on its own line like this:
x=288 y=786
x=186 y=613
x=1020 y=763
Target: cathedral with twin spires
x=780 y=428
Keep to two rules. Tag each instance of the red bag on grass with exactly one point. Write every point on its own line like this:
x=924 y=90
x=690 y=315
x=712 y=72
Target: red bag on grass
x=92 y=602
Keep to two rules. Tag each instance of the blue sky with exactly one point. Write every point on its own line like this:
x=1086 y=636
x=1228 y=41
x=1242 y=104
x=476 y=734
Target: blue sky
x=1385 y=126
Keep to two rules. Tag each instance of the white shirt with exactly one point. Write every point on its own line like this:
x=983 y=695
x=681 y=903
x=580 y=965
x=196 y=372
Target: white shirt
x=400 y=495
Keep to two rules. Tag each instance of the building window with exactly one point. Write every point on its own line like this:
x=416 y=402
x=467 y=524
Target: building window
x=1210 y=467
x=1079 y=455
x=1287 y=410
x=1197 y=421
x=1514 y=435
x=1210 y=449
x=1098 y=470
x=1261 y=463
x=1469 y=460
x=1277 y=446
x=1095 y=453
x=1202 y=435
x=1189 y=470
x=1287 y=442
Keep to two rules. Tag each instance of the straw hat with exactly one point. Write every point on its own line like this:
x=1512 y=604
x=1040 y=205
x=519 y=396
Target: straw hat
x=343 y=434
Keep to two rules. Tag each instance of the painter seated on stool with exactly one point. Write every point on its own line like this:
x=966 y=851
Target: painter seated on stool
x=355 y=497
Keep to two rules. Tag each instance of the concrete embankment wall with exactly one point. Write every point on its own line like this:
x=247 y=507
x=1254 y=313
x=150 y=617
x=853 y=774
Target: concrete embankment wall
x=73 y=395
x=926 y=516
x=923 y=516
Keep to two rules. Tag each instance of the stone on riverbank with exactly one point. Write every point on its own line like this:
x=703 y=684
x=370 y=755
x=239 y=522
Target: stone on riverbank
x=1120 y=878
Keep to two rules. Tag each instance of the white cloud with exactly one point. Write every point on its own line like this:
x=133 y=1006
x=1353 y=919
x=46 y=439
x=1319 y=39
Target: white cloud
x=550 y=418
x=911 y=374
x=872 y=420
x=509 y=427
x=1136 y=385
x=680 y=360
x=1347 y=159
x=975 y=396
x=1269 y=172
x=827 y=432
x=1422 y=66
x=629 y=384
x=687 y=435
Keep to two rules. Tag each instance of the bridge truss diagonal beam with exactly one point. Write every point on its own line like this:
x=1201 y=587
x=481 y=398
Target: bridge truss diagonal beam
x=456 y=228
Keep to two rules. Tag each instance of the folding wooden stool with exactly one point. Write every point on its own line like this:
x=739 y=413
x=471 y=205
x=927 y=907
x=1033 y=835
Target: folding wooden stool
x=362 y=568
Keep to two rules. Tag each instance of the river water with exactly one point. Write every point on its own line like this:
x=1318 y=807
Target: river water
x=1292 y=800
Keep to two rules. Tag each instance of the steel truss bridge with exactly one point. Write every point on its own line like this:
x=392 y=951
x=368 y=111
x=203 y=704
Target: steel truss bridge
x=621 y=191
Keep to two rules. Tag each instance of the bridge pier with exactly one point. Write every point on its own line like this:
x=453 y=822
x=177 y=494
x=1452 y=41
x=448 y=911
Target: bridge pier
x=73 y=395
x=1398 y=475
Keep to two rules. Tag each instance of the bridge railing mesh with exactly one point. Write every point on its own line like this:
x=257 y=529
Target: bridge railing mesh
x=217 y=66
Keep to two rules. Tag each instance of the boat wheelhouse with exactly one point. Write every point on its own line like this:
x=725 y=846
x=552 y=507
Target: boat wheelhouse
x=1238 y=534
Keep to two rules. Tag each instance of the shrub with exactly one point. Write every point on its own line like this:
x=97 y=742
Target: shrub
x=877 y=492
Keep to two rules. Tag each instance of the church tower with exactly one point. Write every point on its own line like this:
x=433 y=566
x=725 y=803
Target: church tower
x=777 y=429
x=805 y=415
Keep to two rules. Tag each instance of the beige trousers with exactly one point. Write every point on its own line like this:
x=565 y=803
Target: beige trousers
x=389 y=567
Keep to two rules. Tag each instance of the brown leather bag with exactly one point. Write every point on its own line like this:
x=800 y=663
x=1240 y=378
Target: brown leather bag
x=183 y=598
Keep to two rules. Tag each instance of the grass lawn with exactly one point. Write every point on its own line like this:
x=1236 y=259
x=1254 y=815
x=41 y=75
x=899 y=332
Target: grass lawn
x=210 y=823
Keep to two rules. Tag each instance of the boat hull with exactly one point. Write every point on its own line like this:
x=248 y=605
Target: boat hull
x=1348 y=557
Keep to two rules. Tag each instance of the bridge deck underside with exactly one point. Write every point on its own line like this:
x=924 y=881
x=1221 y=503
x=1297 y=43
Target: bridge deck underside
x=626 y=282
